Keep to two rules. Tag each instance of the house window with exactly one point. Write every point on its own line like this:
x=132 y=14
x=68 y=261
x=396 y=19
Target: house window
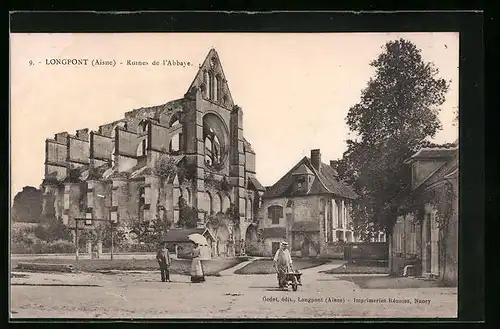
x=301 y=180
x=340 y=217
x=275 y=213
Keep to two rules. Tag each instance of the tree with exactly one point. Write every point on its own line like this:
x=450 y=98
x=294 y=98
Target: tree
x=188 y=216
x=53 y=229
x=397 y=113
x=27 y=205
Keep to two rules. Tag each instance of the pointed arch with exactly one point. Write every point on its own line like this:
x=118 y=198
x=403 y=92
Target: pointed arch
x=188 y=196
x=209 y=202
x=174 y=120
x=219 y=199
x=175 y=143
x=226 y=202
x=215 y=92
x=208 y=86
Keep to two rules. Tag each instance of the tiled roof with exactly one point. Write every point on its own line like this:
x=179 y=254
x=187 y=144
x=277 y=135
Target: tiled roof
x=434 y=153
x=448 y=169
x=303 y=170
x=325 y=182
x=248 y=146
x=181 y=235
x=256 y=184
x=305 y=226
x=274 y=232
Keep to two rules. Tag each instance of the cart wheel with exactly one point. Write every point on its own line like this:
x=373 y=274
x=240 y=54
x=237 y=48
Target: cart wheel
x=294 y=287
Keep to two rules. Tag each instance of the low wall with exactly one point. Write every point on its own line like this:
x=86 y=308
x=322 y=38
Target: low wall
x=366 y=251
x=139 y=255
x=335 y=250
x=398 y=261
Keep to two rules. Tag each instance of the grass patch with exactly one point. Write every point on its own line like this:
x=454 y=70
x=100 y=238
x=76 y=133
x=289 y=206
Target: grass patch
x=265 y=266
x=179 y=266
x=389 y=282
x=360 y=267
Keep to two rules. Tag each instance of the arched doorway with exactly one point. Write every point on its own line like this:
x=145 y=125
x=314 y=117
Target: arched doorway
x=222 y=243
x=251 y=241
x=237 y=240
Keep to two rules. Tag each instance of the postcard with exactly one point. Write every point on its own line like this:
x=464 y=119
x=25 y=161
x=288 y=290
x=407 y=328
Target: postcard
x=234 y=175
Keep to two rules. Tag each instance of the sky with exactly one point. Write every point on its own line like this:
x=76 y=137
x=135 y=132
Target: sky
x=294 y=89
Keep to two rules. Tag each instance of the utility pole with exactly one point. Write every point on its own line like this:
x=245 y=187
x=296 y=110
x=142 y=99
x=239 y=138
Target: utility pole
x=88 y=222
x=76 y=240
x=112 y=237
x=77 y=219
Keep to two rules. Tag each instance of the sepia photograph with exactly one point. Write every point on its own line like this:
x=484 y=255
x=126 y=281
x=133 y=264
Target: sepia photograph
x=234 y=175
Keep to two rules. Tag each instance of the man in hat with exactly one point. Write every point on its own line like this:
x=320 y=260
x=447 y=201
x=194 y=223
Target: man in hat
x=163 y=258
x=282 y=263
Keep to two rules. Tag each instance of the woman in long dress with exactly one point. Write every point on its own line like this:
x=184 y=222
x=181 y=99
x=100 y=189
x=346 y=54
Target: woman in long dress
x=196 y=268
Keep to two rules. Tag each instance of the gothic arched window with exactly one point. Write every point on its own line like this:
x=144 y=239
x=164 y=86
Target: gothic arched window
x=209 y=203
x=143 y=128
x=215 y=87
x=207 y=84
x=174 y=121
x=213 y=152
x=174 y=145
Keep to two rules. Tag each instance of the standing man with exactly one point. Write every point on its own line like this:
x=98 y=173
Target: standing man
x=282 y=263
x=163 y=258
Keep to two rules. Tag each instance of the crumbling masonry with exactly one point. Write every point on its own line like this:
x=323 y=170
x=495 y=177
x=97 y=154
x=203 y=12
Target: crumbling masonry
x=110 y=173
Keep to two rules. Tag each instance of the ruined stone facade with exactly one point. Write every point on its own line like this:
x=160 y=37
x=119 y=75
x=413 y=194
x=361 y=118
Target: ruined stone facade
x=110 y=173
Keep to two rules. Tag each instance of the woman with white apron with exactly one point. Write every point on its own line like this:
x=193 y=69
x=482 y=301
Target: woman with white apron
x=197 y=275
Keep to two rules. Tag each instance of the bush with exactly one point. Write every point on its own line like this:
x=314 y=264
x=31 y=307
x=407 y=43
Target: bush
x=136 y=247
x=252 y=249
x=37 y=246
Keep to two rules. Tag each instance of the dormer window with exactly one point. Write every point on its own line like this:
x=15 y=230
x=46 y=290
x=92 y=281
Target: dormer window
x=301 y=180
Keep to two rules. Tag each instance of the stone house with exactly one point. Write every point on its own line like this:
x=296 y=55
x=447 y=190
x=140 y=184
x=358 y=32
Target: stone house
x=111 y=173
x=425 y=242
x=309 y=207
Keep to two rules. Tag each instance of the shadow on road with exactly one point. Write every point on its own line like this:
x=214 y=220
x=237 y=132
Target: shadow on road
x=268 y=288
x=54 y=285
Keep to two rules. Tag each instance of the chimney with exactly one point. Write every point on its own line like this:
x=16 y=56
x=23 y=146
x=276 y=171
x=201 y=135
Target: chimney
x=333 y=164
x=316 y=159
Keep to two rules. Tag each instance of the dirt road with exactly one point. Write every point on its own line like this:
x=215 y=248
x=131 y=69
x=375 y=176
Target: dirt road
x=141 y=295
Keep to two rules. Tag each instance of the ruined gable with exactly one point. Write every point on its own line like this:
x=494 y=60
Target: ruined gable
x=211 y=81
